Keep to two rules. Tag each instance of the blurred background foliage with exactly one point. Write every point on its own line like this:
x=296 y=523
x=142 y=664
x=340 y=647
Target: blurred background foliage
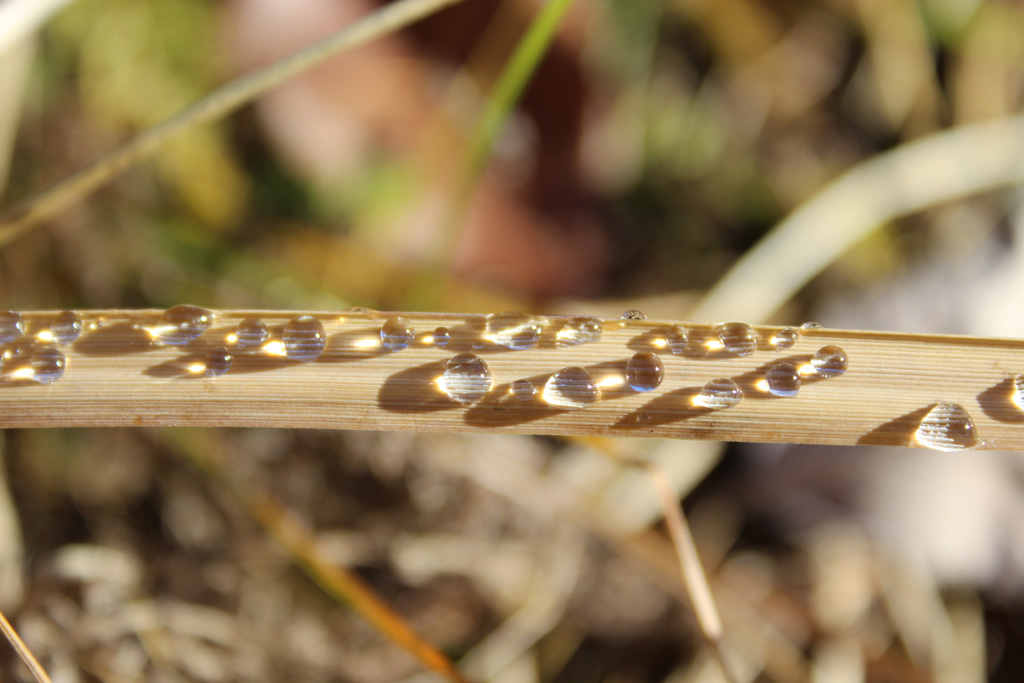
x=657 y=141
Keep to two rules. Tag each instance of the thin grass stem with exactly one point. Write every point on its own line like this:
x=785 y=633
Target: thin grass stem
x=38 y=672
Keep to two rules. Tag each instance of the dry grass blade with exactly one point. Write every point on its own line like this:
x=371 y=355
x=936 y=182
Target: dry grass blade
x=38 y=672
x=388 y=19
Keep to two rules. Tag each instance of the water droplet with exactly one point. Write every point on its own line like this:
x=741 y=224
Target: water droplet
x=783 y=380
x=304 y=338
x=581 y=330
x=738 y=338
x=251 y=332
x=719 y=394
x=11 y=326
x=644 y=371
x=571 y=388
x=218 y=362
x=811 y=325
x=633 y=314
x=1018 y=391
x=360 y=310
x=514 y=329
x=65 y=327
x=829 y=361
x=442 y=336
x=396 y=334
x=182 y=324
x=678 y=339
x=466 y=378
x=47 y=365
x=947 y=427
x=523 y=390
x=785 y=338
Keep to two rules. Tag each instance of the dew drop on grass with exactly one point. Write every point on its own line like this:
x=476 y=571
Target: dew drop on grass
x=442 y=336
x=811 y=325
x=1018 y=391
x=785 y=338
x=304 y=338
x=719 y=394
x=466 y=378
x=645 y=371
x=581 y=330
x=571 y=388
x=783 y=380
x=947 y=427
x=514 y=329
x=396 y=334
x=738 y=338
x=829 y=361
x=678 y=339
x=633 y=314
x=47 y=365
x=182 y=324
x=11 y=326
x=218 y=362
x=523 y=390
x=65 y=327
x=251 y=332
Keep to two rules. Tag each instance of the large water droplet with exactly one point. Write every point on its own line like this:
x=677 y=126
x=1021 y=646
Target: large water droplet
x=65 y=327
x=811 y=325
x=947 y=427
x=581 y=330
x=1018 y=391
x=738 y=338
x=442 y=336
x=466 y=378
x=634 y=314
x=514 y=329
x=304 y=338
x=719 y=394
x=251 y=332
x=678 y=339
x=644 y=371
x=11 y=326
x=571 y=388
x=783 y=380
x=218 y=362
x=523 y=390
x=47 y=365
x=396 y=334
x=785 y=338
x=182 y=324
x=829 y=361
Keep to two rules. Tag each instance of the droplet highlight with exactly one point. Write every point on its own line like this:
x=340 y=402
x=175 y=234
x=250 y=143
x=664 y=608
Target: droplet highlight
x=571 y=388
x=218 y=362
x=182 y=324
x=947 y=427
x=396 y=334
x=634 y=314
x=466 y=378
x=783 y=380
x=523 y=390
x=1018 y=391
x=581 y=330
x=441 y=337
x=11 y=326
x=677 y=339
x=645 y=371
x=48 y=365
x=304 y=338
x=514 y=329
x=65 y=327
x=785 y=338
x=737 y=338
x=719 y=394
x=829 y=361
x=251 y=332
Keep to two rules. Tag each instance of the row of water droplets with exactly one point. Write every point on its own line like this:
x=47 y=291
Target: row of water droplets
x=37 y=358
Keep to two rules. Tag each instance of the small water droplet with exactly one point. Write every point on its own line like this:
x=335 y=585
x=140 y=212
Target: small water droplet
x=581 y=330
x=442 y=336
x=947 y=427
x=466 y=378
x=523 y=390
x=218 y=362
x=829 y=361
x=251 y=332
x=11 y=326
x=47 y=365
x=571 y=388
x=719 y=394
x=738 y=338
x=678 y=339
x=785 y=338
x=783 y=380
x=633 y=314
x=304 y=338
x=811 y=325
x=396 y=334
x=360 y=310
x=180 y=325
x=514 y=329
x=644 y=371
x=1018 y=391
x=65 y=327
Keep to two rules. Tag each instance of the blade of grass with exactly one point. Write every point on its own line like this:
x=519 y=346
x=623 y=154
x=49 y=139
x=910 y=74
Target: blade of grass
x=22 y=217
x=38 y=672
